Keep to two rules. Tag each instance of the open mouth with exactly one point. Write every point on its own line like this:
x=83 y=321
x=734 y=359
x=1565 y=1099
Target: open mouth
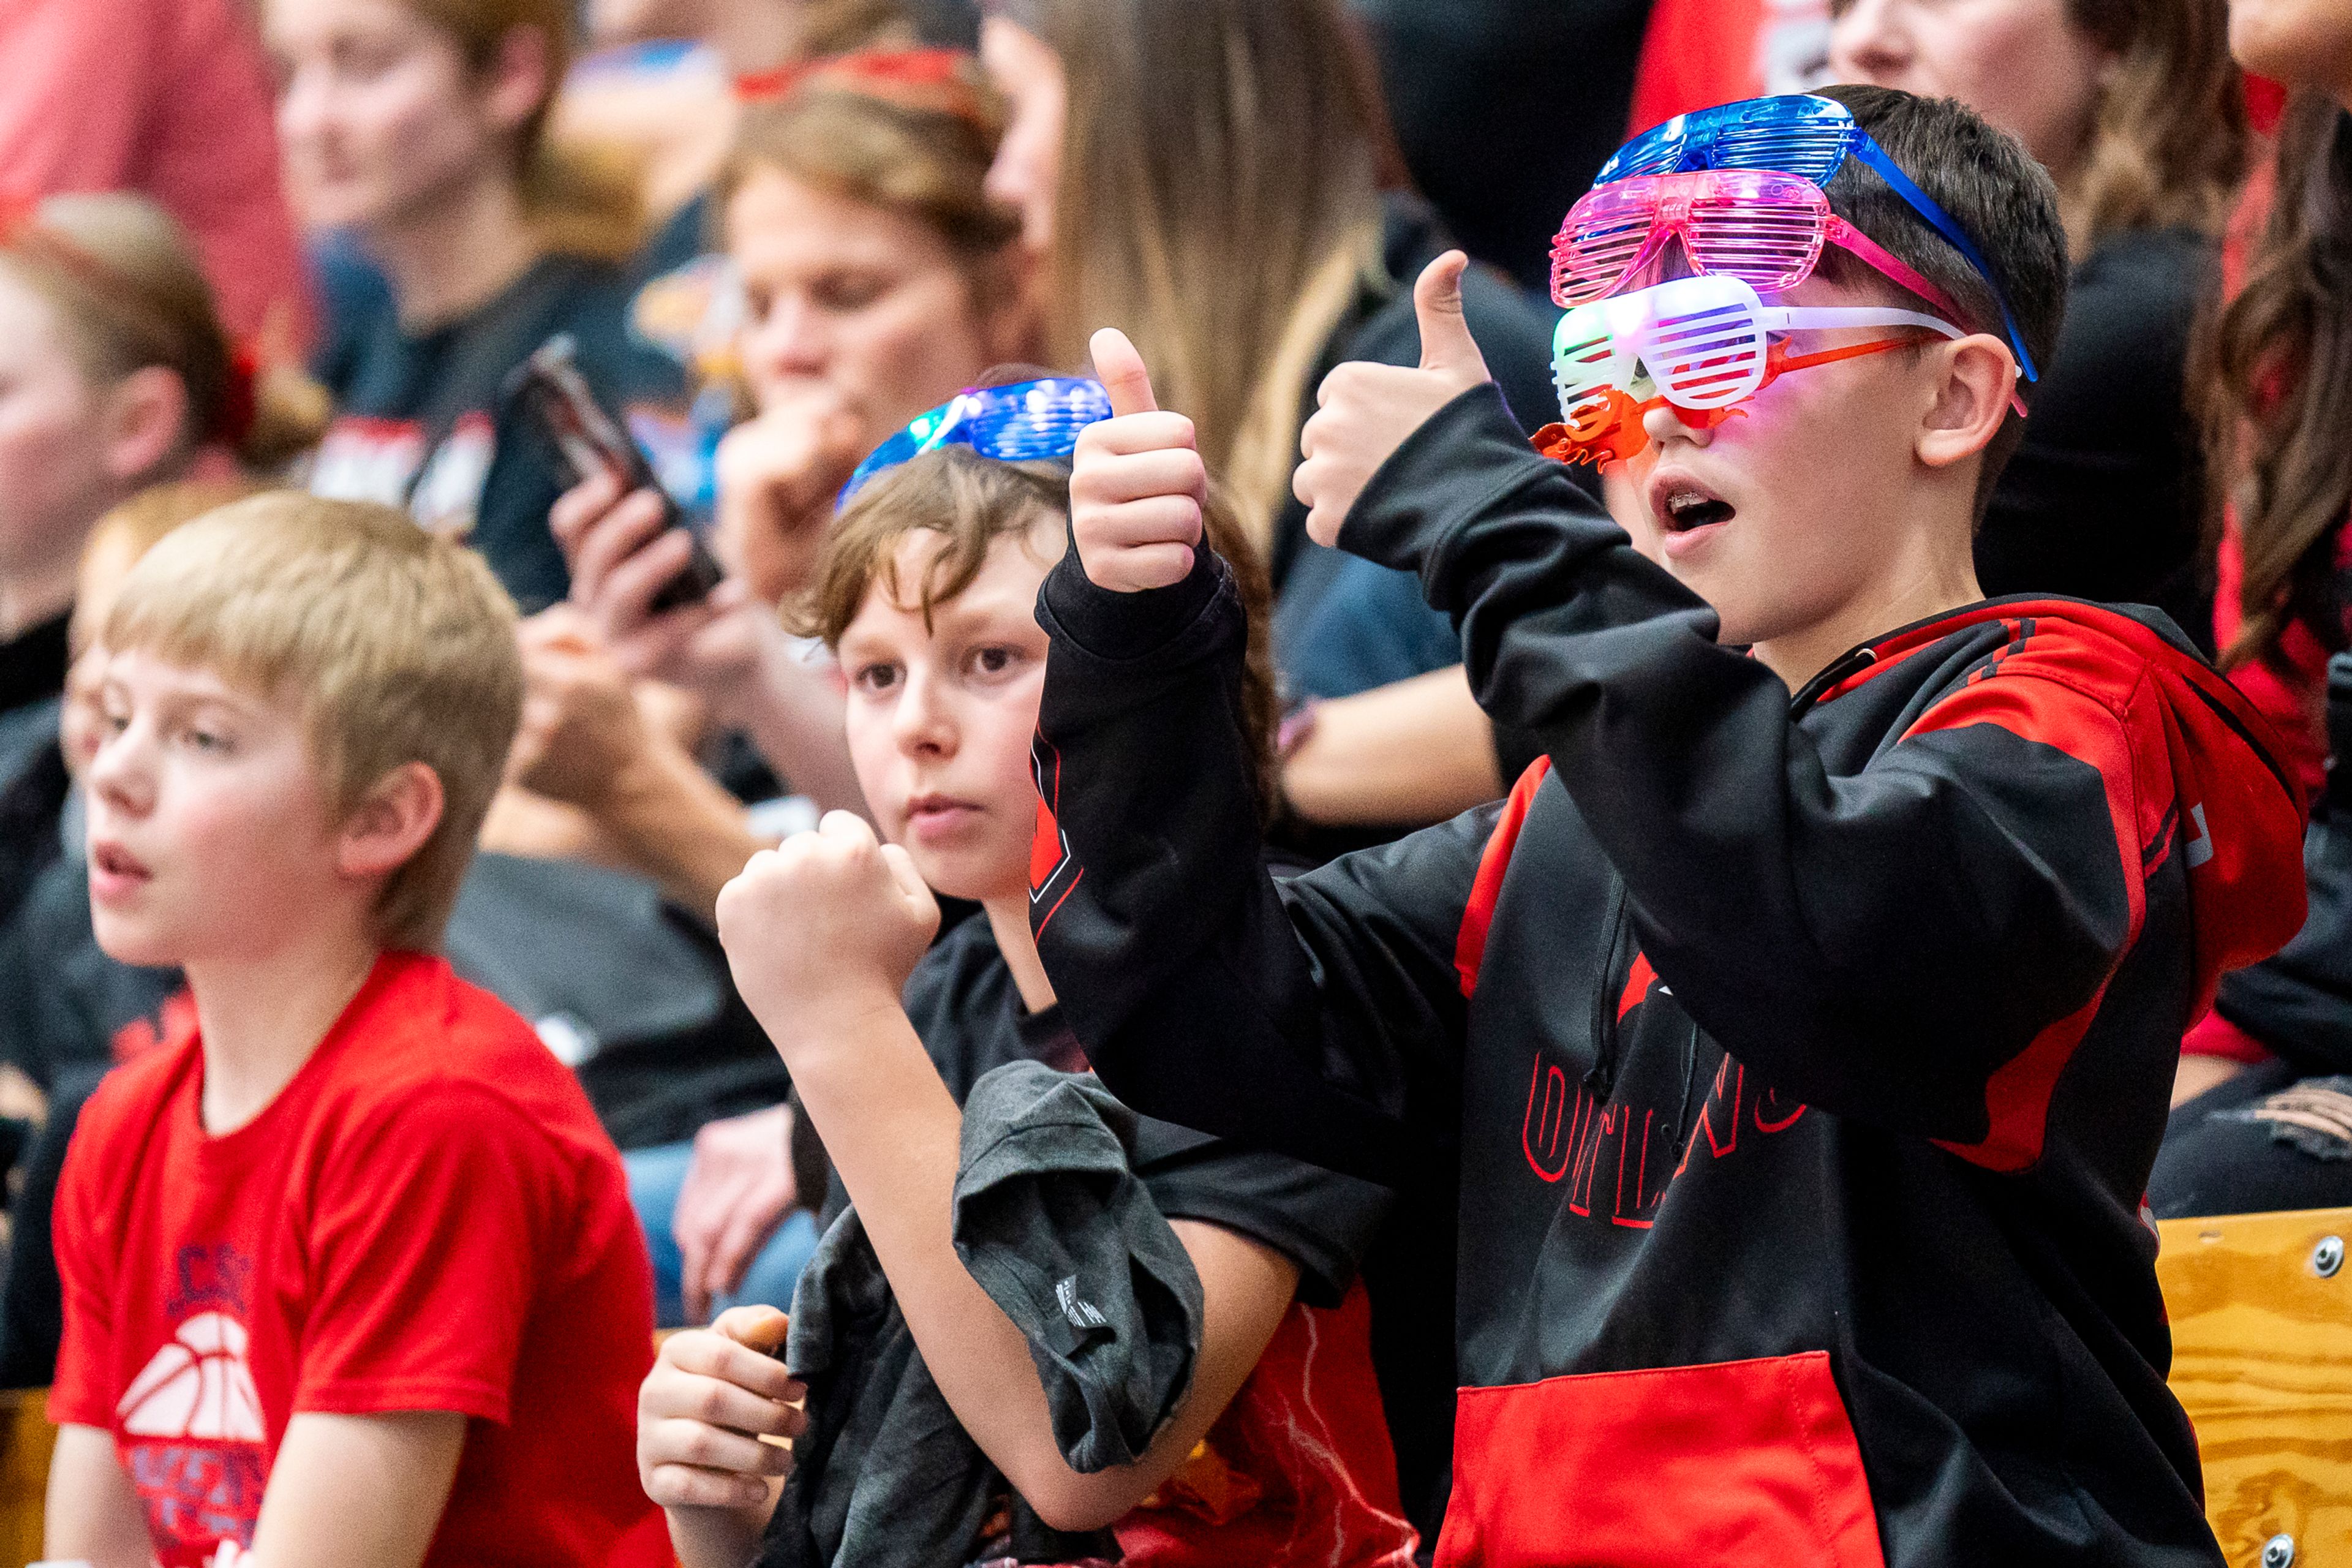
x=115 y=862
x=115 y=874
x=1686 y=509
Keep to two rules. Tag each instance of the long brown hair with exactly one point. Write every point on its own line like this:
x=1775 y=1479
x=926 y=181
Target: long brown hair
x=128 y=290
x=2169 y=143
x=581 y=199
x=2285 y=372
x=1219 y=202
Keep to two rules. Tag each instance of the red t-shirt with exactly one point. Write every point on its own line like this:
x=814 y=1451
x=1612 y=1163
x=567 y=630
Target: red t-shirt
x=1298 y=1470
x=1697 y=54
x=427 y=1218
x=172 y=98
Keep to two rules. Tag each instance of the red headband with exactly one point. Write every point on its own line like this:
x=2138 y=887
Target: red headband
x=934 y=80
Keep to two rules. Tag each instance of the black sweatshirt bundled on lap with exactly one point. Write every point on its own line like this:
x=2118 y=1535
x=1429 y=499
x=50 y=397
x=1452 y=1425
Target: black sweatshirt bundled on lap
x=1802 y=1062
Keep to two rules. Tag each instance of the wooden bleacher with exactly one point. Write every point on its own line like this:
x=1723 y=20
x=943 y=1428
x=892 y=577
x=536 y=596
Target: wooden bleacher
x=26 y=1440
x=2261 y=1359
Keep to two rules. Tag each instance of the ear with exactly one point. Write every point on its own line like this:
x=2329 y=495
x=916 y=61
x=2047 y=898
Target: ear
x=1975 y=379
x=146 y=423
x=391 y=823
x=518 y=78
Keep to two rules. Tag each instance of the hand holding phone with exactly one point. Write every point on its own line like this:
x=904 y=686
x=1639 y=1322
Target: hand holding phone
x=587 y=440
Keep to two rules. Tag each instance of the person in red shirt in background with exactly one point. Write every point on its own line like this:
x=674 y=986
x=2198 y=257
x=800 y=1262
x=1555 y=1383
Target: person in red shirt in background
x=350 y=1272
x=2279 y=613
x=170 y=98
x=1700 y=53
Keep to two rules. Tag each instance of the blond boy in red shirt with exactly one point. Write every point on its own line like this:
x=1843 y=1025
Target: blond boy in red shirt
x=350 y=1271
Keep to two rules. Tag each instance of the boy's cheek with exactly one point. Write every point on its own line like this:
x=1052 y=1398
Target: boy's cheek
x=1620 y=492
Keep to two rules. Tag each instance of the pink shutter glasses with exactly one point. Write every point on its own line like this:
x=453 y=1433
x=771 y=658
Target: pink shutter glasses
x=1766 y=229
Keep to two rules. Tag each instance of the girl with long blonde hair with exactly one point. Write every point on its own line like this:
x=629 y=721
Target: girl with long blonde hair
x=1217 y=178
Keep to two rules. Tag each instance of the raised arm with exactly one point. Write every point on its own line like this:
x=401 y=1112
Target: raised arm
x=1319 y=1018
x=822 y=934
x=1806 y=918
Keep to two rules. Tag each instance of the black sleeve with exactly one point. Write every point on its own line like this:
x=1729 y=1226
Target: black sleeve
x=1322 y=1020
x=1321 y=1221
x=1804 y=921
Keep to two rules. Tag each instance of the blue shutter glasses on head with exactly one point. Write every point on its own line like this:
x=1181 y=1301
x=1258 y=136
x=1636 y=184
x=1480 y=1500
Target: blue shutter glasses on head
x=1021 y=422
x=1802 y=135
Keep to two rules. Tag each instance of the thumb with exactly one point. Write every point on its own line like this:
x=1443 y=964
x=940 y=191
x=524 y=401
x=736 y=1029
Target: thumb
x=761 y=1328
x=911 y=885
x=1122 y=372
x=1446 y=344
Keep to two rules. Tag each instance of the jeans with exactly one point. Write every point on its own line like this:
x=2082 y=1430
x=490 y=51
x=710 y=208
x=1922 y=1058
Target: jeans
x=656 y=1175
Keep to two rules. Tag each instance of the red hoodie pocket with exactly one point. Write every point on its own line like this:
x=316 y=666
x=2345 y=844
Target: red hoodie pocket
x=1742 y=1462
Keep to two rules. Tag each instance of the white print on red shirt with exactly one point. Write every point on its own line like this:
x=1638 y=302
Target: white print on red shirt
x=198 y=1385
x=191 y=1435
x=384 y=460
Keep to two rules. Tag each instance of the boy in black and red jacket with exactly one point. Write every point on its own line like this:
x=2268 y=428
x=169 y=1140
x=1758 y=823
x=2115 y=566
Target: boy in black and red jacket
x=1800 y=1031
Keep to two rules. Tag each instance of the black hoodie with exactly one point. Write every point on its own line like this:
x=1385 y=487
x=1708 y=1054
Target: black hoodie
x=1802 y=1061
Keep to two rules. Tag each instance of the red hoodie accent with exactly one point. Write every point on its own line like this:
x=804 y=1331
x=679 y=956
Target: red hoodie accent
x=2168 y=737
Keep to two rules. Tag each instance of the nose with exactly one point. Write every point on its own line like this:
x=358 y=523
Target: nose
x=301 y=106
x=1868 y=43
x=122 y=774
x=1670 y=261
x=790 y=339
x=1666 y=427
x=923 y=720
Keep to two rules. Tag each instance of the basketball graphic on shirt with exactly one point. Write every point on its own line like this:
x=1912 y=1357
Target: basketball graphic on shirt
x=198 y=1385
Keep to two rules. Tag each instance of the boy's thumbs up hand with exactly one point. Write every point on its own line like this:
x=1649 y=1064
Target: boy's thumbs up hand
x=1368 y=410
x=1136 y=481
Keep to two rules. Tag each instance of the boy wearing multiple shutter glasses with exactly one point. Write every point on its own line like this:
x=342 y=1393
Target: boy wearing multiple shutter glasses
x=1799 y=1033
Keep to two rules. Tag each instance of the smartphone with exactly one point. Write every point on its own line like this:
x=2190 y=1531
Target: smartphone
x=588 y=439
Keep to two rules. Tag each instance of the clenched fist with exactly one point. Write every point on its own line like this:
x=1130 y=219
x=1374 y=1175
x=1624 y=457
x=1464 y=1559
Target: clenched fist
x=1367 y=410
x=825 y=928
x=1136 y=481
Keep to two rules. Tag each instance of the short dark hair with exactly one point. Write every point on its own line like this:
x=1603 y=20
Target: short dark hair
x=2002 y=199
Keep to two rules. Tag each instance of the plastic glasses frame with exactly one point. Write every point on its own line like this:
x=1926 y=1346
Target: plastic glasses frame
x=1701 y=339
x=1609 y=428
x=1027 y=421
x=1766 y=228
x=1704 y=341
x=1804 y=135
